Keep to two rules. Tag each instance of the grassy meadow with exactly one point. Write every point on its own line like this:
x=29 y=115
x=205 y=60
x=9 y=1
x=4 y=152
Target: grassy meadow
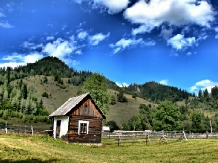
x=25 y=148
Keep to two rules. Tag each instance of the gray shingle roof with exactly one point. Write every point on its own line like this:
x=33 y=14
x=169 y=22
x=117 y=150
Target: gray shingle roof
x=68 y=105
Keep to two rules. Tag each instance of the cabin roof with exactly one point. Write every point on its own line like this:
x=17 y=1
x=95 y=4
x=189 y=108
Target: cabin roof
x=70 y=104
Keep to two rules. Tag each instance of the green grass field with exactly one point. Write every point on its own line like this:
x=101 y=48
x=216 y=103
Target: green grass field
x=24 y=148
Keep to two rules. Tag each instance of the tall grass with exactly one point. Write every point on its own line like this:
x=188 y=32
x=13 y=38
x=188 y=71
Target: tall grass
x=24 y=148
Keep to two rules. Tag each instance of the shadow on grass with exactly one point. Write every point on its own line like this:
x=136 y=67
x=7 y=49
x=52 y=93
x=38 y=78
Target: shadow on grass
x=28 y=161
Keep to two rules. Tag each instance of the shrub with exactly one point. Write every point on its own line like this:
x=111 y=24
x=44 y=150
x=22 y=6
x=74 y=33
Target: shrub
x=45 y=94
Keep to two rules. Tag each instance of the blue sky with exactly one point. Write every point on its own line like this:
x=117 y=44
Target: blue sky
x=128 y=41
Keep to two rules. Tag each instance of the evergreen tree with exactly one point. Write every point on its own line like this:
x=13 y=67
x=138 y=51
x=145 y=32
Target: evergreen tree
x=200 y=94
x=24 y=91
x=121 y=97
x=97 y=87
x=206 y=94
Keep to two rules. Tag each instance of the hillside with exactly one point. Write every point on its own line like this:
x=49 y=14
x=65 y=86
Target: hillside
x=32 y=92
x=58 y=95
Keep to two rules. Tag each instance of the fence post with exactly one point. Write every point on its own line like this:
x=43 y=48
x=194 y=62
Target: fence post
x=118 y=140
x=147 y=139
x=32 y=129
x=6 y=128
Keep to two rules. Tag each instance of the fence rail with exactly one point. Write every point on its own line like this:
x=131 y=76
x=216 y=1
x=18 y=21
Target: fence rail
x=24 y=129
x=130 y=137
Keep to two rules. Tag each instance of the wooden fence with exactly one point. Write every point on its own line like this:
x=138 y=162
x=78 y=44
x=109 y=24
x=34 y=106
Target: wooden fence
x=131 y=137
x=24 y=129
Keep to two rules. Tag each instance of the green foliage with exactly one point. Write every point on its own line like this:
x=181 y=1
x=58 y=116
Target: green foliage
x=45 y=80
x=97 y=87
x=113 y=125
x=166 y=117
x=24 y=91
x=45 y=94
x=135 y=122
x=113 y=100
x=120 y=97
x=196 y=122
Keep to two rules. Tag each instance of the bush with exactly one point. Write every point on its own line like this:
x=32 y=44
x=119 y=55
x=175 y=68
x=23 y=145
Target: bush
x=45 y=94
x=5 y=115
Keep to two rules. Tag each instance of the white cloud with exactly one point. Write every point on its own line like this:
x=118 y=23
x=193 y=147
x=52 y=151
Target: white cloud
x=174 y=12
x=178 y=42
x=142 y=29
x=59 y=48
x=94 y=40
x=31 y=46
x=82 y=35
x=79 y=52
x=50 y=38
x=113 y=6
x=122 y=84
x=32 y=57
x=16 y=59
x=5 y=25
x=166 y=33
x=13 y=58
x=203 y=84
x=12 y=64
x=164 y=82
x=189 y=53
x=124 y=43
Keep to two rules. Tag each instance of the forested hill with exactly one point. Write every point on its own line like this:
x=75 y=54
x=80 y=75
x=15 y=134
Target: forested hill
x=157 y=92
x=52 y=66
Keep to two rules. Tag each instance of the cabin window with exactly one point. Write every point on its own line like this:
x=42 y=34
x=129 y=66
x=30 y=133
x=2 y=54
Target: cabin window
x=83 y=127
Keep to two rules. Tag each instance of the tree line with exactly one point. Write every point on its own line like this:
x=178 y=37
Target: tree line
x=170 y=116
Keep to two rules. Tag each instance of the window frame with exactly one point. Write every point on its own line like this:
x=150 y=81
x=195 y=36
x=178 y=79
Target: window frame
x=80 y=125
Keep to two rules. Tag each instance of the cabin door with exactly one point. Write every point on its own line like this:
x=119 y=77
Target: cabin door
x=58 y=128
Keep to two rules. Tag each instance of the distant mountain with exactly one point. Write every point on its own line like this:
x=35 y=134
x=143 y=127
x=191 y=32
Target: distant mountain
x=157 y=92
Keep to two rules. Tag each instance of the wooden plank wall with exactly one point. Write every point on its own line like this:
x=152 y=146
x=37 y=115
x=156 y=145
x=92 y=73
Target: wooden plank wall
x=87 y=108
x=94 y=134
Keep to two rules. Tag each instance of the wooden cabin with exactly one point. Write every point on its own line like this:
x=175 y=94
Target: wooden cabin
x=78 y=120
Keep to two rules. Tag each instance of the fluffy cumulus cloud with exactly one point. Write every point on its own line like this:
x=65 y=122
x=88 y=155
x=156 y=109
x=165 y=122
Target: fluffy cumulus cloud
x=95 y=39
x=124 y=43
x=59 y=48
x=203 y=84
x=16 y=59
x=179 y=42
x=164 y=82
x=113 y=6
x=174 y=12
x=82 y=35
x=122 y=84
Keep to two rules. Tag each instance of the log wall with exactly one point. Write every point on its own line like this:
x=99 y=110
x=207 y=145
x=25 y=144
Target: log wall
x=94 y=134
